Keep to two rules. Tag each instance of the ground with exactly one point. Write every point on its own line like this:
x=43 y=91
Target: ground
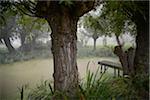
x=32 y=72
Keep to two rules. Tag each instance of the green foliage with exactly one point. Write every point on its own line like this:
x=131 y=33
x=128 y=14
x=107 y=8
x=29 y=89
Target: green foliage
x=66 y=2
x=31 y=24
x=40 y=51
x=93 y=26
x=27 y=7
x=98 y=86
x=42 y=91
x=117 y=12
x=91 y=22
x=6 y=10
x=32 y=28
x=95 y=86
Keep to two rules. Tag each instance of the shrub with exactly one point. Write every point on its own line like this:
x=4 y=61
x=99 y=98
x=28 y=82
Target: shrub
x=95 y=86
x=6 y=57
x=99 y=52
x=43 y=91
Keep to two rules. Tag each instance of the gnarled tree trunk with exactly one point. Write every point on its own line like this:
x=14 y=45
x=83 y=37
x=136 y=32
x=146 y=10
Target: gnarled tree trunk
x=63 y=22
x=64 y=51
x=141 y=61
x=142 y=46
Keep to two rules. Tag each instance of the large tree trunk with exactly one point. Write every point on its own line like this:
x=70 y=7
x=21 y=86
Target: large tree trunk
x=141 y=62
x=63 y=22
x=10 y=48
x=64 y=51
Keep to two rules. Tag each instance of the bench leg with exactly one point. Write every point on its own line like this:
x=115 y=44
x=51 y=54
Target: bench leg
x=114 y=72
x=118 y=73
x=101 y=68
x=105 y=68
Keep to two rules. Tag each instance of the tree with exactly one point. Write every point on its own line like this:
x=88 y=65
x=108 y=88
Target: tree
x=29 y=30
x=141 y=62
x=137 y=12
x=63 y=21
x=81 y=37
x=7 y=31
x=92 y=28
x=62 y=16
x=8 y=23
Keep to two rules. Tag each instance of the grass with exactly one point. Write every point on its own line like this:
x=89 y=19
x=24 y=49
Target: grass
x=93 y=84
x=33 y=71
x=96 y=86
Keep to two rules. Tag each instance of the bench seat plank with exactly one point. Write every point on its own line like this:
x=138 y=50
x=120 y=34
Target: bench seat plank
x=110 y=64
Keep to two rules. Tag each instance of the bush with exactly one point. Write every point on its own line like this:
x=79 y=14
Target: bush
x=43 y=91
x=41 y=51
x=95 y=86
x=99 y=52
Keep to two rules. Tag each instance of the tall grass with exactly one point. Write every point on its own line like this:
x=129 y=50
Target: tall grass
x=100 y=86
x=43 y=91
x=95 y=86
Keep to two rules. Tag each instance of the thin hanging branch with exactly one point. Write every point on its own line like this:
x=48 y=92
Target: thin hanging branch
x=26 y=6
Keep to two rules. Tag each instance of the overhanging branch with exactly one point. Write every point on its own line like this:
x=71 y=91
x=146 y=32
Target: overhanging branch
x=26 y=6
x=82 y=7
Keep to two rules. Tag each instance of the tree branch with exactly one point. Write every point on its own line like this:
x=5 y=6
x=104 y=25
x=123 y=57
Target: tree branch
x=82 y=7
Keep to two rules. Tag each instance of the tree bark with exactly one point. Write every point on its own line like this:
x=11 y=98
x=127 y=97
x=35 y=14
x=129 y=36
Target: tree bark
x=141 y=18
x=63 y=22
x=122 y=56
x=64 y=51
x=141 y=62
x=118 y=41
x=10 y=48
x=123 y=59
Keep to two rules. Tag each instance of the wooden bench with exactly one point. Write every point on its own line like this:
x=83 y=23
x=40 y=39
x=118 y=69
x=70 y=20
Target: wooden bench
x=105 y=64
